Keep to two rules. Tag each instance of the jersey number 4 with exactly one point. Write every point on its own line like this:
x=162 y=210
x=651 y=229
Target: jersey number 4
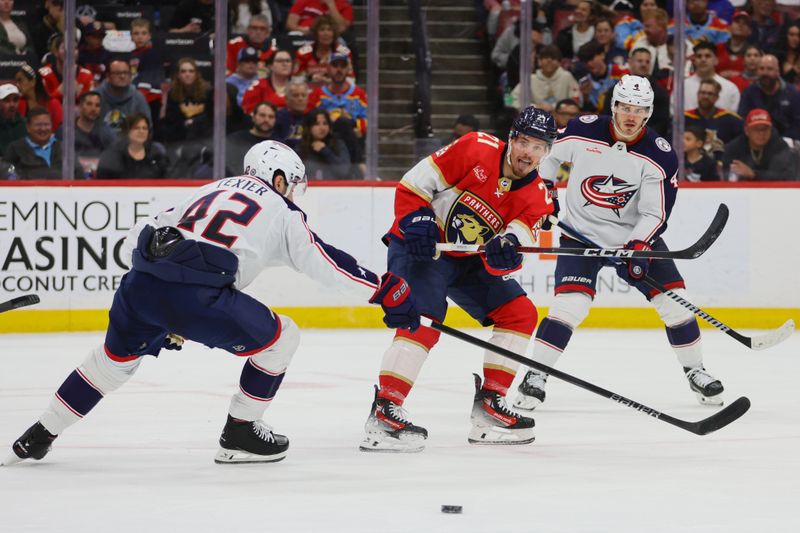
x=213 y=232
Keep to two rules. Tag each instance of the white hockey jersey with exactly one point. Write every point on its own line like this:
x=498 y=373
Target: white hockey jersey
x=263 y=229
x=616 y=191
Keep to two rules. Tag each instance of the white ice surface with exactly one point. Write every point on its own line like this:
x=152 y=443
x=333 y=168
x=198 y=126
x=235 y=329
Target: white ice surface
x=143 y=459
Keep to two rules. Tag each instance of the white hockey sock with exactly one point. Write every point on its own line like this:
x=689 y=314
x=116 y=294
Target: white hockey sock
x=683 y=331
x=400 y=367
x=263 y=373
x=97 y=376
x=499 y=371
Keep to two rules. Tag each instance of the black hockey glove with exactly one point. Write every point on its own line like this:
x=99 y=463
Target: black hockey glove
x=394 y=296
x=420 y=234
x=634 y=269
x=551 y=189
x=501 y=252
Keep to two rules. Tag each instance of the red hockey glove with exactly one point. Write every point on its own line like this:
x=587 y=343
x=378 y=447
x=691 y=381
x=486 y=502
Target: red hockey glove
x=394 y=296
x=635 y=268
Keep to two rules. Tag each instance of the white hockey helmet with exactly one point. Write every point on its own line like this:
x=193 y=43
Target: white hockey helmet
x=268 y=158
x=633 y=90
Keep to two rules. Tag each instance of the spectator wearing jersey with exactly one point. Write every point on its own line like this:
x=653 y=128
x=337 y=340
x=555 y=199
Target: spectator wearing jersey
x=92 y=135
x=147 y=66
x=705 y=64
x=289 y=122
x=604 y=34
x=600 y=79
x=311 y=60
x=188 y=115
x=698 y=166
x=52 y=74
x=15 y=39
x=788 y=52
x=778 y=98
x=748 y=76
x=273 y=88
x=655 y=22
x=628 y=28
x=119 y=98
x=721 y=126
x=259 y=37
x=346 y=105
x=246 y=73
x=760 y=154
x=135 y=156
x=12 y=125
x=91 y=54
x=193 y=16
x=766 y=30
x=33 y=94
x=304 y=12
x=550 y=83
x=38 y=154
x=571 y=38
x=703 y=26
x=239 y=142
x=324 y=154
x=565 y=111
x=730 y=54
x=639 y=65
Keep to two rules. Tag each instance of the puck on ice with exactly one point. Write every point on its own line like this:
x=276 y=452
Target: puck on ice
x=451 y=509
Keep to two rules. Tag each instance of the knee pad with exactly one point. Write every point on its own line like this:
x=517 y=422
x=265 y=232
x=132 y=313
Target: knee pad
x=518 y=315
x=671 y=312
x=105 y=373
x=277 y=357
x=571 y=308
x=424 y=336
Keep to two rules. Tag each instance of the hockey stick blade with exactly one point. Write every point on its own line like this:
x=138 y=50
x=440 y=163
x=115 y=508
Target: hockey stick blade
x=19 y=301
x=769 y=339
x=716 y=421
x=692 y=252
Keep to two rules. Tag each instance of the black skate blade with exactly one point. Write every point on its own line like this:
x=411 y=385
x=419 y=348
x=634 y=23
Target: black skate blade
x=721 y=418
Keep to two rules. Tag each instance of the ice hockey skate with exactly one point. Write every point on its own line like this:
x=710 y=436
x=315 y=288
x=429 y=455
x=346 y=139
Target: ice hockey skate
x=530 y=391
x=389 y=429
x=33 y=444
x=707 y=388
x=250 y=442
x=494 y=423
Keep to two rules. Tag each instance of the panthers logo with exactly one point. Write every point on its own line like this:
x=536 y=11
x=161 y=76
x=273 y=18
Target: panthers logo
x=472 y=221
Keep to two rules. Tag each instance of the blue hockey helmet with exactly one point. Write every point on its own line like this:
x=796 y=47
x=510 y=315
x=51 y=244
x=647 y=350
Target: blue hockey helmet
x=535 y=123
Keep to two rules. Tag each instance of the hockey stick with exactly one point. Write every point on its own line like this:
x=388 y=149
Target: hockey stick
x=759 y=342
x=718 y=420
x=692 y=252
x=19 y=301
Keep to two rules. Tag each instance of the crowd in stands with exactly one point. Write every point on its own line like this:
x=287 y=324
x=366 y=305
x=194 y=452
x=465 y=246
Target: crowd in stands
x=742 y=73
x=145 y=97
x=145 y=94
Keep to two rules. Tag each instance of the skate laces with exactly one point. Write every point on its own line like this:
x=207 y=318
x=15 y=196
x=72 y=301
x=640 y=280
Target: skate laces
x=398 y=413
x=700 y=377
x=263 y=431
x=499 y=404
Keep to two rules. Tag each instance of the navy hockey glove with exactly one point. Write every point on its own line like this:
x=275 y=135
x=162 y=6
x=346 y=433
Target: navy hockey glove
x=501 y=252
x=420 y=234
x=394 y=296
x=551 y=189
x=634 y=269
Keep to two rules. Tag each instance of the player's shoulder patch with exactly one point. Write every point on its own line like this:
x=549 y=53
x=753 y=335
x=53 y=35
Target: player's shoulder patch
x=588 y=119
x=663 y=145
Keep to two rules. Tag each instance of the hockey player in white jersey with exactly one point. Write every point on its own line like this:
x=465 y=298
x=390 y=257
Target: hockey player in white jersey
x=189 y=265
x=621 y=189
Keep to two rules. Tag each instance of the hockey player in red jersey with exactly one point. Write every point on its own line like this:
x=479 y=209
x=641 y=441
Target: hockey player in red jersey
x=621 y=190
x=477 y=190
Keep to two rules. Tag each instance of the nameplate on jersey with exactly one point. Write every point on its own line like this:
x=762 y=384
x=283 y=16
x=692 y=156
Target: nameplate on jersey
x=472 y=220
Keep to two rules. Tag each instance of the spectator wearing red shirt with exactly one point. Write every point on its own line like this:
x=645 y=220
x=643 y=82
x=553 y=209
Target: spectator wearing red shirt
x=259 y=36
x=305 y=12
x=273 y=88
x=752 y=56
x=312 y=60
x=52 y=74
x=730 y=55
x=33 y=94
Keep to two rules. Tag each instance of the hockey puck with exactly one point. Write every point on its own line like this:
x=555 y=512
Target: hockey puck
x=452 y=509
